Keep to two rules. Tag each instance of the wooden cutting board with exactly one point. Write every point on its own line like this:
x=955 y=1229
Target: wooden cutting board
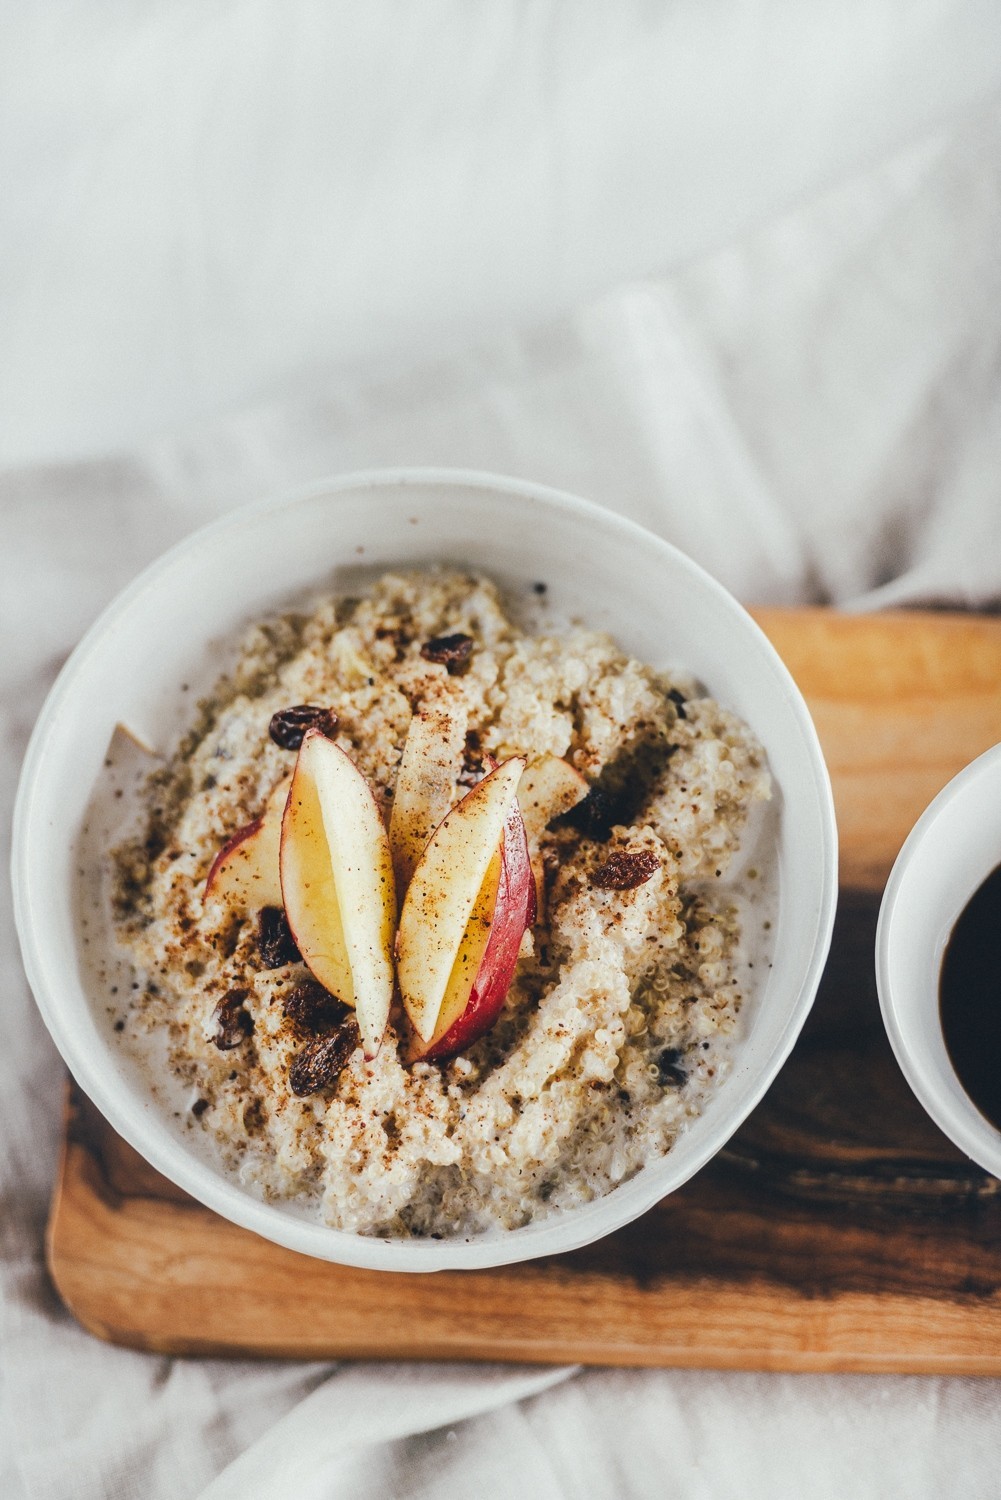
x=838 y=1230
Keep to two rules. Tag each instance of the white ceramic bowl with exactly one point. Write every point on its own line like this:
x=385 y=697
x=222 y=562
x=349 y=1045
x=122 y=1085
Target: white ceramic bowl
x=171 y=627
x=949 y=853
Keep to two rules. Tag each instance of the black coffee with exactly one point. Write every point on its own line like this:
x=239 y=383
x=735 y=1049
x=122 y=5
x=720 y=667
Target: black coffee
x=970 y=998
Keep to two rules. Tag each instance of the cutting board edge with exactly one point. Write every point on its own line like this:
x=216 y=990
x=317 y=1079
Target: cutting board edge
x=963 y=1347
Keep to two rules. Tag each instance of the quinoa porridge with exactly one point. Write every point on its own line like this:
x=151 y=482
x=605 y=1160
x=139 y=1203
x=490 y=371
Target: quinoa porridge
x=619 y=1017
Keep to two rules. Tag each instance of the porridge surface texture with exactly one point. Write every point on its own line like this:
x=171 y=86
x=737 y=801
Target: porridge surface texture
x=618 y=1023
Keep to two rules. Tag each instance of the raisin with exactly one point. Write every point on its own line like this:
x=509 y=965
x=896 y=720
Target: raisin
x=679 y=701
x=319 y=1064
x=288 y=726
x=275 y=942
x=669 y=1069
x=314 y=1009
x=199 y=1107
x=626 y=869
x=450 y=651
x=233 y=1023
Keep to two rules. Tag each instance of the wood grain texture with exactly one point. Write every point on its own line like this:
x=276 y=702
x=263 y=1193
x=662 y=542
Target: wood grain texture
x=838 y=1230
x=901 y=703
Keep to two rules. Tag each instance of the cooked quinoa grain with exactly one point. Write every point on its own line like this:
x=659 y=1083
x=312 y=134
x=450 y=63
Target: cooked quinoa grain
x=616 y=1026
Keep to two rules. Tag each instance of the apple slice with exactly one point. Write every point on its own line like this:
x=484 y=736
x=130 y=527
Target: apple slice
x=468 y=962
x=337 y=883
x=443 y=891
x=488 y=955
x=425 y=784
x=244 y=874
x=549 y=788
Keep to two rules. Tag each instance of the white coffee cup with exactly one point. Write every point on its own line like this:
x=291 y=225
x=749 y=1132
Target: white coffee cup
x=951 y=850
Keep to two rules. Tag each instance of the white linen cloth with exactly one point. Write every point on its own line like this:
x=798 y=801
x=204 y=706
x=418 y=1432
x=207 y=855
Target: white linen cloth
x=809 y=401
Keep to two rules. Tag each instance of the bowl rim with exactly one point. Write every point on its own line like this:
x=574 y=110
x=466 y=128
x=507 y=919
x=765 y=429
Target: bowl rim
x=222 y=1194
x=955 y=1113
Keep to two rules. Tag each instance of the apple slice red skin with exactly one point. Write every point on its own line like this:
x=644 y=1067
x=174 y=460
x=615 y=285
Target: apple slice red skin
x=514 y=913
x=261 y=885
x=233 y=842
